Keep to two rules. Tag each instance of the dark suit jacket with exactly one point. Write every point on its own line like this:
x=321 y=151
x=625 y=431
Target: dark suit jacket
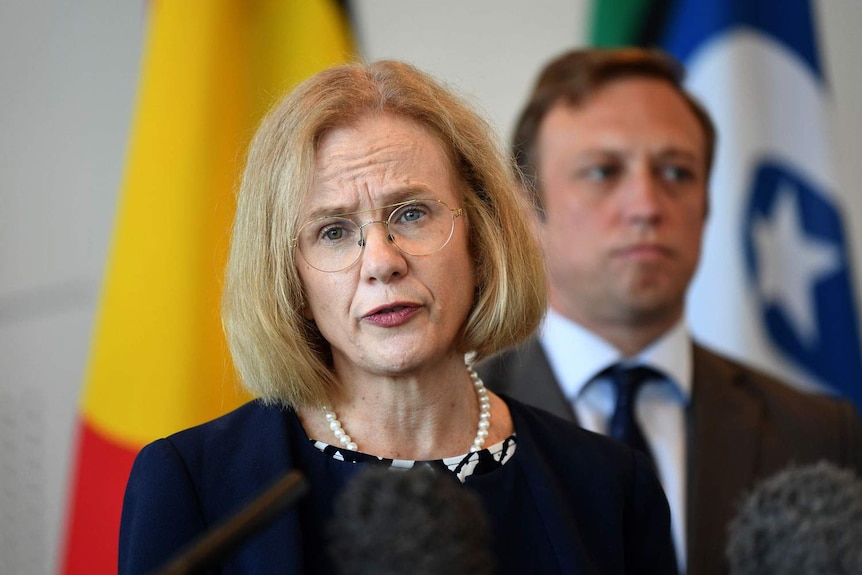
x=568 y=502
x=742 y=426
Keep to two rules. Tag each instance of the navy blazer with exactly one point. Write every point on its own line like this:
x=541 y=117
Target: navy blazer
x=569 y=501
x=741 y=425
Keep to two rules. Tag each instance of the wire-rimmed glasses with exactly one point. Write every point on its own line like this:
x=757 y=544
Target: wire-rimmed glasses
x=416 y=227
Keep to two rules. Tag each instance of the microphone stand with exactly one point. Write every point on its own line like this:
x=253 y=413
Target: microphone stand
x=225 y=537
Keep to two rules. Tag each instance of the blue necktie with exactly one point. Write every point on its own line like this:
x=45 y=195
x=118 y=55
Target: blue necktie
x=623 y=425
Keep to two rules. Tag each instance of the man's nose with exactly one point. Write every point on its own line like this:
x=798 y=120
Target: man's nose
x=643 y=195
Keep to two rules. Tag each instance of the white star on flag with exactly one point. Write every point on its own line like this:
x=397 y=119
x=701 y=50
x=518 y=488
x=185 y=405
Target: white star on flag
x=791 y=262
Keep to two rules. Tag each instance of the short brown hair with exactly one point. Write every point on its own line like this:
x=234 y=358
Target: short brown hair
x=573 y=77
x=280 y=355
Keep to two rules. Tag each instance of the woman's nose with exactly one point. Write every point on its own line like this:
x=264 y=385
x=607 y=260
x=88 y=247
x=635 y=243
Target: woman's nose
x=381 y=258
x=364 y=231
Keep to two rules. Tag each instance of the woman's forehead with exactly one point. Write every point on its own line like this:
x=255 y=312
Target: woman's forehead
x=379 y=160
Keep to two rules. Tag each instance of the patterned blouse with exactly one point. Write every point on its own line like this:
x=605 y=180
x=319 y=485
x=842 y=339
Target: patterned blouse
x=463 y=466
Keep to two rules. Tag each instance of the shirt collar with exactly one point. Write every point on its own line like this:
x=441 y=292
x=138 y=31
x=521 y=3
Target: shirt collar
x=576 y=355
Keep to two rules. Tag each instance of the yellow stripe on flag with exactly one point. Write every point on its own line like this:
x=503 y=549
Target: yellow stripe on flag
x=212 y=67
x=158 y=360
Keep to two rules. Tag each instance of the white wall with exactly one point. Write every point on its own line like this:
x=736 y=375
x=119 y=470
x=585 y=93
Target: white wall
x=840 y=21
x=69 y=72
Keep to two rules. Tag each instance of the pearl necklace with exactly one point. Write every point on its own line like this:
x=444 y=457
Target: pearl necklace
x=481 y=433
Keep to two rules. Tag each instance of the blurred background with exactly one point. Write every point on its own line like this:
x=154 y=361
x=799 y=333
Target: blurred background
x=71 y=83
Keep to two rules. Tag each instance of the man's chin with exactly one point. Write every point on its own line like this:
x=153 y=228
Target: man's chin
x=652 y=309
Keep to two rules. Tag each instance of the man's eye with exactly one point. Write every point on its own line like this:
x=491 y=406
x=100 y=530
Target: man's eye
x=599 y=173
x=676 y=173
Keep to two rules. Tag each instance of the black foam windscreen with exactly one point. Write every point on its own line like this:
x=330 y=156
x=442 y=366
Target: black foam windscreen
x=416 y=521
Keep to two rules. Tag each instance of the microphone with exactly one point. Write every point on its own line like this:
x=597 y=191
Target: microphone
x=419 y=521
x=802 y=520
x=216 y=543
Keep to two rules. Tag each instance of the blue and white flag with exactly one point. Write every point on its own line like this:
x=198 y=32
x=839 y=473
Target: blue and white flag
x=775 y=285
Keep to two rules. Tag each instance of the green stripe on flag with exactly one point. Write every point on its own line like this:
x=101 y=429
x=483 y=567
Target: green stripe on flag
x=627 y=22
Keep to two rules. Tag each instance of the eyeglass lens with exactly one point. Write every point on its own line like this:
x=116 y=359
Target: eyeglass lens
x=417 y=227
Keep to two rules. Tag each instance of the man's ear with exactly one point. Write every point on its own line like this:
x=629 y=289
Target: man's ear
x=535 y=213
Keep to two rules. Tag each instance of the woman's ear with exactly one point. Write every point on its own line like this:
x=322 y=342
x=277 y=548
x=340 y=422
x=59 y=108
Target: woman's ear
x=306 y=311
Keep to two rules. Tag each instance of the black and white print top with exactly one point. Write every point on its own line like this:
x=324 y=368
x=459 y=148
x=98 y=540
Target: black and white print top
x=463 y=466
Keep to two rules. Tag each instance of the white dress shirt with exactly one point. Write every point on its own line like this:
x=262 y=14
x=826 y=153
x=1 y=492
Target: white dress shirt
x=577 y=355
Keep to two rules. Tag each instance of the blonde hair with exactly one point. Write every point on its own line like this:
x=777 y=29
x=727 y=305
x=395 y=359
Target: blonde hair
x=279 y=354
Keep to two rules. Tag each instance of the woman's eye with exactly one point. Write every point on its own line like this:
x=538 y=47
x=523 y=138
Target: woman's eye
x=409 y=214
x=333 y=232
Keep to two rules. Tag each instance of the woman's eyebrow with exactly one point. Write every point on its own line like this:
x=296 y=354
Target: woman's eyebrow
x=396 y=196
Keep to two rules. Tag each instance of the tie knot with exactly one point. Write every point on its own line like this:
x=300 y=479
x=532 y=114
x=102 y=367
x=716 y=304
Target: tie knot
x=632 y=375
x=628 y=379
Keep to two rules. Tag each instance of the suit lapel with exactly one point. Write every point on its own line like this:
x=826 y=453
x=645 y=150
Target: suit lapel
x=532 y=381
x=724 y=435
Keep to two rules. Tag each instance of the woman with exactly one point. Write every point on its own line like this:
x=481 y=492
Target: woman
x=378 y=239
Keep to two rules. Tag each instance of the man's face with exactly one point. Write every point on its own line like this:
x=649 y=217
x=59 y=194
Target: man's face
x=623 y=179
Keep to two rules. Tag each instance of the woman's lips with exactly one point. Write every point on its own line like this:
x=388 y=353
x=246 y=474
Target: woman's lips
x=392 y=316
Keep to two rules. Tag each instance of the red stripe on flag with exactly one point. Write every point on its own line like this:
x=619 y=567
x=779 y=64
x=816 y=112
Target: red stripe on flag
x=93 y=527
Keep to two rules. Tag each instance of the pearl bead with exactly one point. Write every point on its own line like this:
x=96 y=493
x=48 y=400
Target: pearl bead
x=481 y=431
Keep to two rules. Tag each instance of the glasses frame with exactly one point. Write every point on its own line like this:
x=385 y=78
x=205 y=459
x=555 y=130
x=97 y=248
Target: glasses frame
x=455 y=212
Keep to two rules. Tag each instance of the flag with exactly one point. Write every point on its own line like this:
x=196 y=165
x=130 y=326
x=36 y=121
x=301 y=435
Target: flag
x=158 y=360
x=775 y=284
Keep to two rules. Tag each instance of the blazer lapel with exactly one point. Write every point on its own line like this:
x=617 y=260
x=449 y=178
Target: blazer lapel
x=724 y=434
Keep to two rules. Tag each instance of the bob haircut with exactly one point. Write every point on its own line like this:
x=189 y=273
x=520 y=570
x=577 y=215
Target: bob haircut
x=573 y=77
x=279 y=354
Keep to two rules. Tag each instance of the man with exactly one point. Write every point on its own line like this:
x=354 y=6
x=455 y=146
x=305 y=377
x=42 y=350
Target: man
x=617 y=156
